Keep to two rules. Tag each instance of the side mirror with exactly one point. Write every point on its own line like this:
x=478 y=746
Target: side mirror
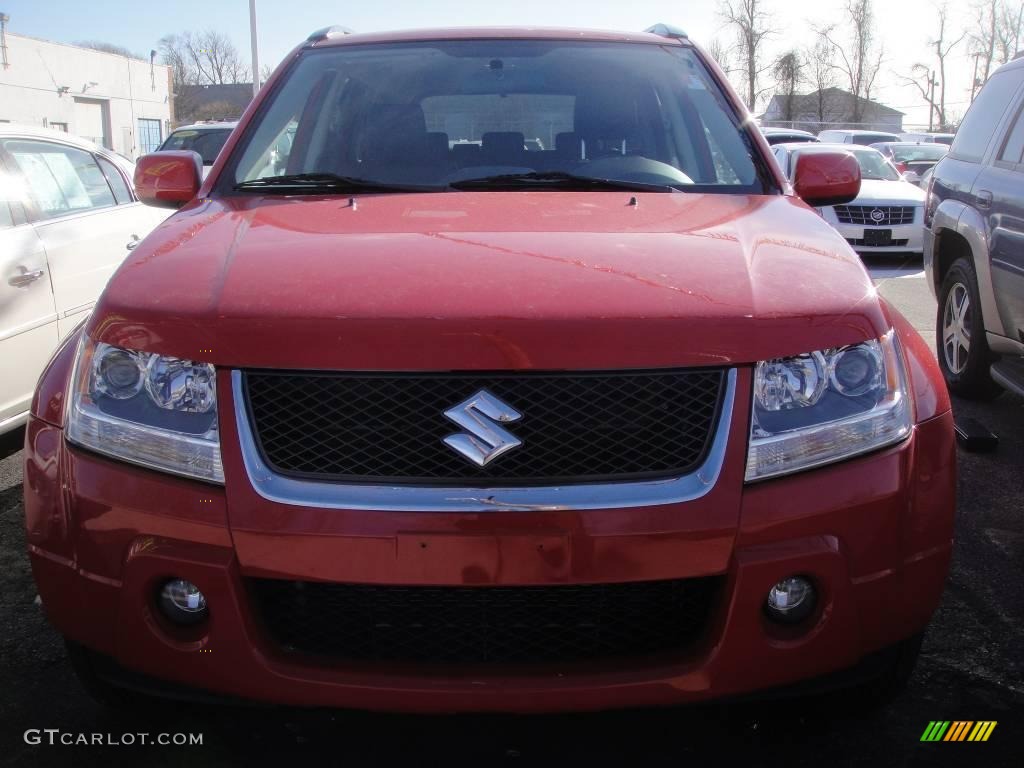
x=826 y=178
x=168 y=179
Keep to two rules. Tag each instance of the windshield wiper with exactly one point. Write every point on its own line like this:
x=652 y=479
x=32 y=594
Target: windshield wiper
x=329 y=182
x=556 y=180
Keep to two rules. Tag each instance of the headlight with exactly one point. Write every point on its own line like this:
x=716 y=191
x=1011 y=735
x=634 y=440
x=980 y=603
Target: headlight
x=824 y=406
x=157 y=411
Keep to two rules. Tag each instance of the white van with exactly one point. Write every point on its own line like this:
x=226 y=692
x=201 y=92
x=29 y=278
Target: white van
x=846 y=136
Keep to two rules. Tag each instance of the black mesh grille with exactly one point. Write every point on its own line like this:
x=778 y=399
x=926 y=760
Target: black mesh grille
x=484 y=624
x=574 y=427
x=889 y=216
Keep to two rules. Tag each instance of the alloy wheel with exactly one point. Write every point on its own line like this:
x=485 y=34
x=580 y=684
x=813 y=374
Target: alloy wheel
x=956 y=328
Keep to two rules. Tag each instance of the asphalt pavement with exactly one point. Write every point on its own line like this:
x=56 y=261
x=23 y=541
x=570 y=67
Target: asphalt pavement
x=971 y=668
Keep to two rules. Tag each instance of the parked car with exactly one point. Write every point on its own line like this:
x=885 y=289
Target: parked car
x=926 y=138
x=865 y=138
x=68 y=217
x=912 y=160
x=887 y=214
x=617 y=422
x=974 y=243
x=205 y=138
x=787 y=135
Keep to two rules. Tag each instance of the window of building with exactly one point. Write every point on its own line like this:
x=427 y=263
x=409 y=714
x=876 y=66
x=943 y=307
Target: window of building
x=60 y=179
x=59 y=126
x=149 y=135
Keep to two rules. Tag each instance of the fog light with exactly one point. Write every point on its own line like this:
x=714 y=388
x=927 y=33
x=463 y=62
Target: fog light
x=791 y=600
x=182 y=602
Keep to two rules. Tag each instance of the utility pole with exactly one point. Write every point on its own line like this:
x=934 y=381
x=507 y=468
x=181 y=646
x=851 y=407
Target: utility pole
x=974 y=80
x=932 y=82
x=255 y=49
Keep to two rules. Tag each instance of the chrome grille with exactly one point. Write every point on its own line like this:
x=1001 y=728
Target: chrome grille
x=891 y=215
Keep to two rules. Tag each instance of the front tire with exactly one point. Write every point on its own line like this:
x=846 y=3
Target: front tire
x=963 y=352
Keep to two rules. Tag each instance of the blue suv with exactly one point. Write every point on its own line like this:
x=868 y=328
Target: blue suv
x=974 y=243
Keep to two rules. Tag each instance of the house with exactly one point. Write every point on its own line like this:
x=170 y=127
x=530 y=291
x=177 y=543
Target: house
x=211 y=102
x=119 y=102
x=830 y=108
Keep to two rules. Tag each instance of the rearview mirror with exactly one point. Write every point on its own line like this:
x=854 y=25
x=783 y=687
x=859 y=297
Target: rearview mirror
x=168 y=179
x=826 y=178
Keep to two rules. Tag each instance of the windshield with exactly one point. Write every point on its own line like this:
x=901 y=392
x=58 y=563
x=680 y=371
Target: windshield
x=874 y=166
x=920 y=152
x=206 y=142
x=434 y=114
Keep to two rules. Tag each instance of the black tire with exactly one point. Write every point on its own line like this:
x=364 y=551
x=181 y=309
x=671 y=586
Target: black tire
x=966 y=371
x=121 y=700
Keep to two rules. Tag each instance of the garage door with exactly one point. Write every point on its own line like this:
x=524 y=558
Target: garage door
x=90 y=121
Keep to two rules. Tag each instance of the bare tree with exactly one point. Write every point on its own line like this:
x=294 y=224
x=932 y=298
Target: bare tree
x=943 y=48
x=922 y=78
x=117 y=50
x=203 y=58
x=821 y=76
x=720 y=52
x=860 y=60
x=983 y=40
x=214 y=57
x=749 y=21
x=173 y=54
x=788 y=72
x=1009 y=32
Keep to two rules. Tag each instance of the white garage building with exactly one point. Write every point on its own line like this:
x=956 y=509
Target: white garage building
x=121 y=103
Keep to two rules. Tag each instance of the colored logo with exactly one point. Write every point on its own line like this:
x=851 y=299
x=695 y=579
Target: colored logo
x=958 y=730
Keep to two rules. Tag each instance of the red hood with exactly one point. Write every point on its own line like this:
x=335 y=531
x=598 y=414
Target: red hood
x=490 y=280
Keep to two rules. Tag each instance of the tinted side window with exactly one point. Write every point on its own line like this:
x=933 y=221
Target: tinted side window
x=117 y=183
x=60 y=179
x=983 y=117
x=1015 y=143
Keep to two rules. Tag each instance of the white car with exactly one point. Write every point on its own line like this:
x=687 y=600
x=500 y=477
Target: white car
x=888 y=214
x=68 y=218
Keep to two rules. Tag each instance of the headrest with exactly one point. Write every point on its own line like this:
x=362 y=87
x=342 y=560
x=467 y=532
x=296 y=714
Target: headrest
x=605 y=116
x=567 y=144
x=503 y=143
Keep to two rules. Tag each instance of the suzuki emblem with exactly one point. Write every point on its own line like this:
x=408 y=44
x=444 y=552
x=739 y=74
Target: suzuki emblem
x=484 y=439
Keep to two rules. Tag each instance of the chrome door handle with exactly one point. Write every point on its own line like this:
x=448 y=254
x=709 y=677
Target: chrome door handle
x=25 y=278
x=984 y=198
x=134 y=241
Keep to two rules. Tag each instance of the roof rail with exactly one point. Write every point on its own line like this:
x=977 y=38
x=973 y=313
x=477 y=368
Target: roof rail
x=668 y=30
x=335 y=30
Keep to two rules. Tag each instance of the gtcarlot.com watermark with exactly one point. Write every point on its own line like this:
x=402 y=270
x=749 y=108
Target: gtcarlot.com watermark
x=56 y=737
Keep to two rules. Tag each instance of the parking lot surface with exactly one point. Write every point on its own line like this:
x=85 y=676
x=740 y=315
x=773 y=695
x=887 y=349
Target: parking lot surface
x=972 y=666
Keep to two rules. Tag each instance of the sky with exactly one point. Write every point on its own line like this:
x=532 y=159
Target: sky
x=904 y=27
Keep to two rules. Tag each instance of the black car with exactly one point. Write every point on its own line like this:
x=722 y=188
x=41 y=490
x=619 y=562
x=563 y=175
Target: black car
x=974 y=243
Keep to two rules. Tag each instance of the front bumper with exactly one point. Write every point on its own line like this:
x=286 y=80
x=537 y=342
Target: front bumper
x=874 y=533
x=905 y=237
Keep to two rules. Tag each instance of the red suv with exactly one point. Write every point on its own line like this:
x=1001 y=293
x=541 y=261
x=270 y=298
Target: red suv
x=405 y=410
